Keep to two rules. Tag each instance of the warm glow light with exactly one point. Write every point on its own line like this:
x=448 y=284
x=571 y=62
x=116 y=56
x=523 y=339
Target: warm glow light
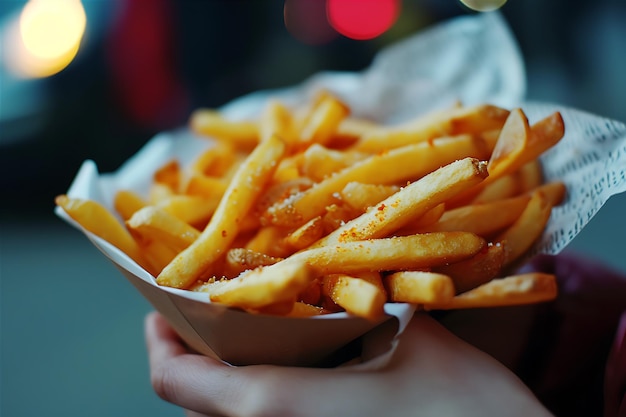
x=46 y=38
x=362 y=19
x=484 y=5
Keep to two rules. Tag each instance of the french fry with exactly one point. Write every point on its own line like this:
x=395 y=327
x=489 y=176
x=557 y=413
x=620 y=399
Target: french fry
x=127 y=202
x=97 y=219
x=169 y=175
x=262 y=287
x=239 y=260
x=153 y=223
x=277 y=120
x=361 y=196
x=216 y=161
x=244 y=135
x=509 y=291
x=461 y=120
x=318 y=162
x=191 y=209
x=223 y=227
x=397 y=165
x=323 y=121
x=355 y=295
x=482 y=219
x=393 y=254
x=410 y=202
x=419 y=287
x=520 y=236
x=477 y=270
x=306 y=234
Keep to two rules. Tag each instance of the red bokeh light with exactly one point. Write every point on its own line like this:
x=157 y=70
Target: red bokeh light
x=362 y=19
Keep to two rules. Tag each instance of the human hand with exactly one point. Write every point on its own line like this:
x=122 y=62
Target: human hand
x=432 y=373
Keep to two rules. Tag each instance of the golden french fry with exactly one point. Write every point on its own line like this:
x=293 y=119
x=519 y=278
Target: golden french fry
x=210 y=188
x=301 y=309
x=157 y=255
x=477 y=270
x=419 y=287
x=191 y=209
x=504 y=187
x=277 y=120
x=461 y=120
x=520 y=236
x=154 y=223
x=393 y=254
x=410 y=202
x=482 y=219
x=239 y=260
x=395 y=166
x=355 y=295
x=126 y=203
x=361 y=196
x=242 y=134
x=216 y=161
x=305 y=235
x=169 y=175
x=213 y=242
x=270 y=240
x=319 y=162
x=351 y=129
x=97 y=219
x=324 y=120
x=530 y=176
x=261 y=287
x=512 y=290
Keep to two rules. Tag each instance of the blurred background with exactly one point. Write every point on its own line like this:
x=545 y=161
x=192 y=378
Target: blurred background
x=97 y=79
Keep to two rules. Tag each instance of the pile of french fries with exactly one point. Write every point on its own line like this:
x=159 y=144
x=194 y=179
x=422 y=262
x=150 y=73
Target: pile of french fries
x=311 y=210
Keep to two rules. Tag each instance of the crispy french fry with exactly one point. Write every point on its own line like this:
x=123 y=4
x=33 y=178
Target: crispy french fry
x=126 y=203
x=306 y=234
x=319 y=162
x=270 y=240
x=393 y=254
x=520 y=236
x=243 y=135
x=301 y=309
x=261 y=287
x=512 y=290
x=191 y=209
x=277 y=120
x=355 y=295
x=504 y=187
x=324 y=120
x=216 y=161
x=361 y=196
x=97 y=219
x=210 y=188
x=410 y=202
x=530 y=176
x=477 y=270
x=239 y=260
x=462 y=120
x=169 y=175
x=419 y=287
x=153 y=223
x=223 y=227
x=482 y=219
x=398 y=165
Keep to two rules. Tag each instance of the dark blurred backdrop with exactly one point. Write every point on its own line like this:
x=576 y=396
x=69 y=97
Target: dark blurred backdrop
x=71 y=340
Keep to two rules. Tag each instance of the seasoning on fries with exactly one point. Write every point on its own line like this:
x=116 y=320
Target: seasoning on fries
x=312 y=210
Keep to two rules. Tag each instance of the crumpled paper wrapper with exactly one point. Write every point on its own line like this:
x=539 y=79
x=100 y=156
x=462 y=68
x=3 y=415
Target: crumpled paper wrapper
x=472 y=59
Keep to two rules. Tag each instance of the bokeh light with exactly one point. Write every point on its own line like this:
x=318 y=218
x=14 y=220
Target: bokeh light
x=484 y=5
x=45 y=38
x=306 y=21
x=362 y=19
